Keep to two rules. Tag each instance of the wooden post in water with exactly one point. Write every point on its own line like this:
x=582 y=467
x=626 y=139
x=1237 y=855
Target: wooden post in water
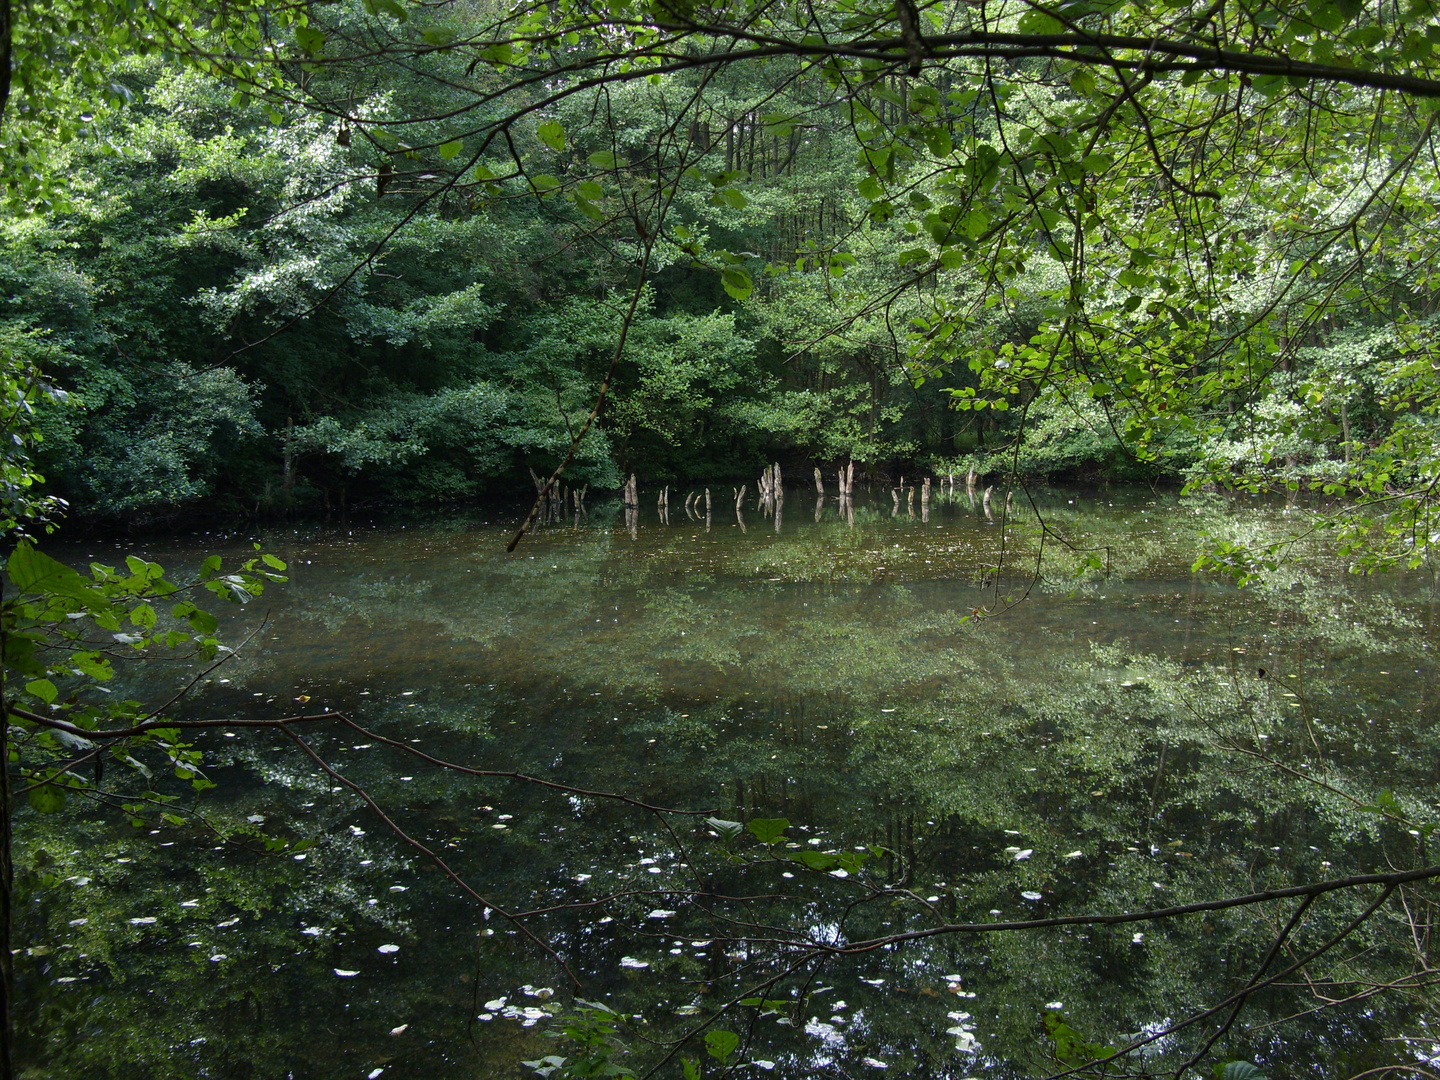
x=707 y=502
x=819 y=484
x=988 y=516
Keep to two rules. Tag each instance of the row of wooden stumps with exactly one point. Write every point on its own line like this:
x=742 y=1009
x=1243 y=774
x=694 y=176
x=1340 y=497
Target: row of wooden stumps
x=559 y=501
x=770 y=498
x=947 y=485
x=631 y=495
x=691 y=505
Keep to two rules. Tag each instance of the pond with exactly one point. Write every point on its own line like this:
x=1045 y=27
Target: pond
x=959 y=720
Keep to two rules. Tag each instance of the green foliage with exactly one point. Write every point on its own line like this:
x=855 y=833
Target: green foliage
x=593 y=1030
x=65 y=633
x=720 y=1044
x=768 y=830
x=1069 y=1046
x=1238 y=1070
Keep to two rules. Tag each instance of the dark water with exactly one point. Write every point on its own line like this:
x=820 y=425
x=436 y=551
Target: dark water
x=995 y=745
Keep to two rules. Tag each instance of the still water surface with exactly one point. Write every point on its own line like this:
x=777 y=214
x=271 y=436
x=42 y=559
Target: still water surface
x=903 y=690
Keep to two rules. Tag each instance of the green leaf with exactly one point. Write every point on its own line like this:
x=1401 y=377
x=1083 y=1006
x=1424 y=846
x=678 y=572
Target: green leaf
x=603 y=159
x=448 y=150
x=938 y=141
x=737 y=282
x=552 y=135
x=1239 y=1070
x=817 y=860
x=771 y=1004
x=44 y=689
x=728 y=830
x=690 y=1068
x=588 y=208
x=312 y=41
x=387 y=7
x=34 y=572
x=47 y=798
x=93 y=665
x=720 y=1044
x=768 y=830
x=1039 y=21
x=1072 y=1048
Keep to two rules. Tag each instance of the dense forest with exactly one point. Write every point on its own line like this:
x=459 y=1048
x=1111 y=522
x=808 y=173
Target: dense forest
x=256 y=306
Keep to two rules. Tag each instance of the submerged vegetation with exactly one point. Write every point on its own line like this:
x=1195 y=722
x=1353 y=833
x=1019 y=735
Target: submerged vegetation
x=956 y=776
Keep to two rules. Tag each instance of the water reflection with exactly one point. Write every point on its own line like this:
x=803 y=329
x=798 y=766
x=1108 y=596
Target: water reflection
x=1120 y=741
